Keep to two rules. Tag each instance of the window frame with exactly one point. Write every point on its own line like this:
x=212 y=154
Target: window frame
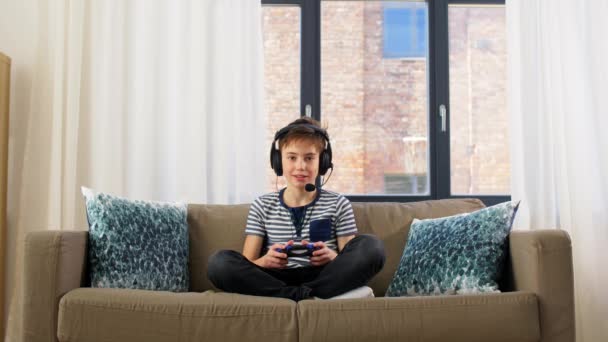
x=438 y=54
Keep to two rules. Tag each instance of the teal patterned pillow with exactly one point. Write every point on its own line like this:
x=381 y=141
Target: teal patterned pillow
x=460 y=254
x=137 y=244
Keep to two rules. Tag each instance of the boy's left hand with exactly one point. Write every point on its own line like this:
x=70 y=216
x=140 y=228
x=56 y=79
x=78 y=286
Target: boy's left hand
x=322 y=254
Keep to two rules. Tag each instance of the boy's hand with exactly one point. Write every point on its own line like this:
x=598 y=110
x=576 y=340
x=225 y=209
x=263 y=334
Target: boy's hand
x=322 y=254
x=273 y=258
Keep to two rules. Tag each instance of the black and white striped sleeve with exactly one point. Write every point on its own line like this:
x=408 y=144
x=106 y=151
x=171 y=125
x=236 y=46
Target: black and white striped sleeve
x=345 y=218
x=256 y=219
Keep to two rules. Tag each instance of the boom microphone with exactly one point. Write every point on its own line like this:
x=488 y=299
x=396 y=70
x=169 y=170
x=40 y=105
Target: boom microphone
x=310 y=187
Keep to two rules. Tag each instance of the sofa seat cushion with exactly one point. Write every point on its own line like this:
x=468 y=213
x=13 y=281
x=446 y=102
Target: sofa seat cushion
x=497 y=317
x=95 y=314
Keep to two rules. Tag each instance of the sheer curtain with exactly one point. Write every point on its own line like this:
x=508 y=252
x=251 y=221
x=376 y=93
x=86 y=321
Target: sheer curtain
x=558 y=54
x=156 y=100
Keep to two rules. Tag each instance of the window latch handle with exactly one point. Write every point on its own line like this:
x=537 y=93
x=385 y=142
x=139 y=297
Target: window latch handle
x=308 y=111
x=443 y=114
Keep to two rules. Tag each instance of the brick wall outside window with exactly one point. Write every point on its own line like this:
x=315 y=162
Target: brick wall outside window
x=376 y=108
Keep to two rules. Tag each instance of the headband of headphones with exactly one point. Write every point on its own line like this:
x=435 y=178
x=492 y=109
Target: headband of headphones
x=325 y=157
x=280 y=134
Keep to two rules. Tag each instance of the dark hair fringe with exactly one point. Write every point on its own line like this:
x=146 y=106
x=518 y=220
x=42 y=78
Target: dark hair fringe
x=304 y=132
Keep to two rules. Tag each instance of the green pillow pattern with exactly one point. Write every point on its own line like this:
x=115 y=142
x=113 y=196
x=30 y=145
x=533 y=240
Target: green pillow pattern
x=137 y=244
x=462 y=254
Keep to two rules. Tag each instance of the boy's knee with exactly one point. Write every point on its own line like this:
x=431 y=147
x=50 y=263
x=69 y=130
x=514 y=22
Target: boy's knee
x=219 y=265
x=373 y=248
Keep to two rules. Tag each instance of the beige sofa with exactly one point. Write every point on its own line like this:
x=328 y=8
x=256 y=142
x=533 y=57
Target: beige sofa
x=536 y=305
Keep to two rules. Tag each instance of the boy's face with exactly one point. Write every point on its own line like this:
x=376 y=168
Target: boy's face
x=300 y=160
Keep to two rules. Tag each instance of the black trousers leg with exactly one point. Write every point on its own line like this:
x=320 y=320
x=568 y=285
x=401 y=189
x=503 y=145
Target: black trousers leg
x=361 y=259
x=230 y=271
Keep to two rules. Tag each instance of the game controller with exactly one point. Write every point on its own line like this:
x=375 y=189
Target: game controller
x=298 y=250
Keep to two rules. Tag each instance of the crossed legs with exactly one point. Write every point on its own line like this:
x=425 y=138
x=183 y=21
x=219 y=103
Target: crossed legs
x=359 y=261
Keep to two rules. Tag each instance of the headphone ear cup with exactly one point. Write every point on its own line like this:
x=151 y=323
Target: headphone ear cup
x=325 y=161
x=275 y=161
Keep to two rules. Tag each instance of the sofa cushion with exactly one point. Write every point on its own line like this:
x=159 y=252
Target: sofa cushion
x=455 y=255
x=213 y=227
x=390 y=222
x=501 y=317
x=137 y=244
x=89 y=314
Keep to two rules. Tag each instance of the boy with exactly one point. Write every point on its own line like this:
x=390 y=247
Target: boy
x=299 y=214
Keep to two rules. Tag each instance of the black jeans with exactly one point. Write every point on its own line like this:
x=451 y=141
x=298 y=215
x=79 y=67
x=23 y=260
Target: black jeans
x=359 y=261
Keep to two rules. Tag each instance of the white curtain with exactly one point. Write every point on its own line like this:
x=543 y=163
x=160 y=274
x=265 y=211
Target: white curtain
x=155 y=100
x=558 y=55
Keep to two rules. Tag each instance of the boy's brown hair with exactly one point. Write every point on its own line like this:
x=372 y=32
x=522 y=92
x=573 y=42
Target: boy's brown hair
x=301 y=129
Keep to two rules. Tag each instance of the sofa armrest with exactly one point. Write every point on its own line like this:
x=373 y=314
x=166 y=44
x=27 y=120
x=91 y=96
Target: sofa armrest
x=541 y=262
x=54 y=264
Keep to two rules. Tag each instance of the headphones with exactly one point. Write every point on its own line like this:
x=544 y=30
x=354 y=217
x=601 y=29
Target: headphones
x=275 y=154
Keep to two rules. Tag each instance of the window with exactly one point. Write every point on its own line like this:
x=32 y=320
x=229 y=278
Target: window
x=384 y=101
x=281 y=39
x=412 y=93
x=405 y=30
x=479 y=134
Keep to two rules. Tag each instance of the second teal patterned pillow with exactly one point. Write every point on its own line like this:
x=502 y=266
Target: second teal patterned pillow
x=137 y=244
x=459 y=254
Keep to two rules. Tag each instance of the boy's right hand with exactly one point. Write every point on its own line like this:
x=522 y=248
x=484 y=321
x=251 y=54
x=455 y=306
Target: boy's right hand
x=273 y=258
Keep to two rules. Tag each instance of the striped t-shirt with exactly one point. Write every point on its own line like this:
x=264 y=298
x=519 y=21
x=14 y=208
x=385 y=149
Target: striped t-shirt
x=328 y=216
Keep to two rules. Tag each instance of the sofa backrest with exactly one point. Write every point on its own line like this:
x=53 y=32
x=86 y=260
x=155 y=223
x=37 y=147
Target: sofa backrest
x=215 y=227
